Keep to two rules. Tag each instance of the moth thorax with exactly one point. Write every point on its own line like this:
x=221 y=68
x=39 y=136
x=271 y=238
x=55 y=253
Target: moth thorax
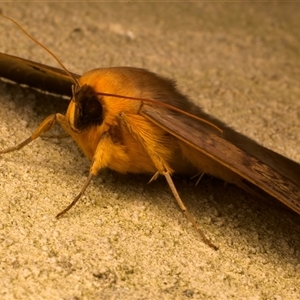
x=88 y=108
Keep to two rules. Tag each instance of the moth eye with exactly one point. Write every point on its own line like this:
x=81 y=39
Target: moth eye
x=92 y=109
x=88 y=109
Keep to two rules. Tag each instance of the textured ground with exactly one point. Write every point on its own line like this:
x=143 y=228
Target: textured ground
x=125 y=240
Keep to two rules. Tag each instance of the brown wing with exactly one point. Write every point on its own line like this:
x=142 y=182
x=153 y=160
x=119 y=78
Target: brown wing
x=282 y=182
x=164 y=90
x=36 y=75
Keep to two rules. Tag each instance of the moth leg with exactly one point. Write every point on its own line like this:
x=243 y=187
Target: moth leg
x=199 y=179
x=154 y=177
x=162 y=168
x=199 y=175
x=186 y=212
x=75 y=200
x=100 y=160
x=64 y=124
x=45 y=126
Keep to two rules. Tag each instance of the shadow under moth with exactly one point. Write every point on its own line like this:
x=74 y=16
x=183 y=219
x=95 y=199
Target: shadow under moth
x=133 y=121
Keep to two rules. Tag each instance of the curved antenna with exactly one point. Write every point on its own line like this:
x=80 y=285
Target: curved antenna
x=44 y=47
x=171 y=107
x=112 y=95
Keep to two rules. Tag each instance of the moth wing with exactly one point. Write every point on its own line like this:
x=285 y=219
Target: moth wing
x=279 y=183
x=36 y=75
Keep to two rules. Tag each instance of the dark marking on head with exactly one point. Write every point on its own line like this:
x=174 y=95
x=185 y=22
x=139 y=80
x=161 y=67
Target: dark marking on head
x=89 y=110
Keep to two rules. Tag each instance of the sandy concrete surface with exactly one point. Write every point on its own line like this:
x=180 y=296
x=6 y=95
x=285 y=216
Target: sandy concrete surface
x=126 y=239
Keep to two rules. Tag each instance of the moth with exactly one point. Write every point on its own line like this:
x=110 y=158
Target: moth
x=134 y=121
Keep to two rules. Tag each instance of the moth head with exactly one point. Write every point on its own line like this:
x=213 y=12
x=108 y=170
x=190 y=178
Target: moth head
x=85 y=109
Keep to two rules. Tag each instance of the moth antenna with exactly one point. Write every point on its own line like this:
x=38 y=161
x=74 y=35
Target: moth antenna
x=44 y=47
x=171 y=107
x=112 y=95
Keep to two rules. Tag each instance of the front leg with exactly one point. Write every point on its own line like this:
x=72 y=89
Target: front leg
x=45 y=126
x=100 y=160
